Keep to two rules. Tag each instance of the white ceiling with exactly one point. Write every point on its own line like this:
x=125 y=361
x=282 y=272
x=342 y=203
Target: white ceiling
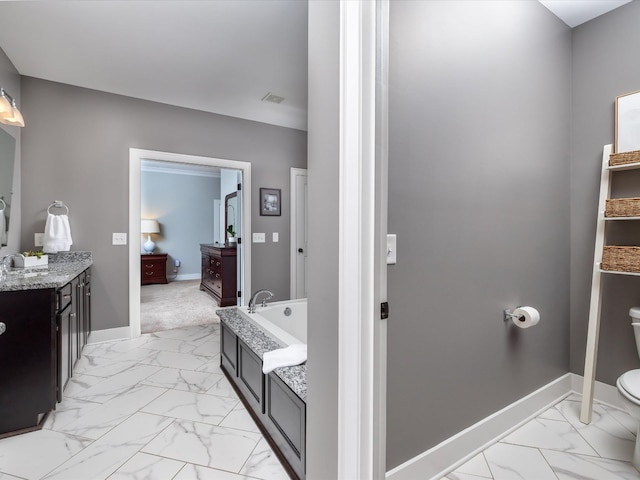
x=577 y=12
x=220 y=56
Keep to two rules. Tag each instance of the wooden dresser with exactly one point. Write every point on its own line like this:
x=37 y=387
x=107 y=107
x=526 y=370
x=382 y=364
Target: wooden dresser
x=219 y=273
x=153 y=268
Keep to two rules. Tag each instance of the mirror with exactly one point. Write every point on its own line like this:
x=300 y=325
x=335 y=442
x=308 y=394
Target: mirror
x=7 y=160
x=230 y=216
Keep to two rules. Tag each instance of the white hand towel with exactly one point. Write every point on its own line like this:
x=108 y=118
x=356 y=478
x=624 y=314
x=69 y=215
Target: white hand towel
x=57 y=234
x=284 y=357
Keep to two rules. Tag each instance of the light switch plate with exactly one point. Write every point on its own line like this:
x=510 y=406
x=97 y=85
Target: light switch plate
x=276 y=237
x=391 y=249
x=259 y=238
x=38 y=239
x=119 y=239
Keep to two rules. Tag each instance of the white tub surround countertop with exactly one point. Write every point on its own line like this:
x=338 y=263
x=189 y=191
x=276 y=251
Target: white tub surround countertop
x=294 y=377
x=62 y=268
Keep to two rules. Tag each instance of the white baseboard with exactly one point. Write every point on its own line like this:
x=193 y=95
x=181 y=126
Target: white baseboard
x=453 y=452
x=448 y=455
x=602 y=392
x=109 y=335
x=187 y=276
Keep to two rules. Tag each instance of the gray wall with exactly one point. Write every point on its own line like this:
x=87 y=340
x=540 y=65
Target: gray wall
x=605 y=65
x=478 y=173
x=323 y=212
x=183 y=206
x=76 y=149
x=10 y=81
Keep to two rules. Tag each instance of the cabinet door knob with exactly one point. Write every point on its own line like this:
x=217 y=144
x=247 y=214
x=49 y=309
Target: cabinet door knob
x=3 y=328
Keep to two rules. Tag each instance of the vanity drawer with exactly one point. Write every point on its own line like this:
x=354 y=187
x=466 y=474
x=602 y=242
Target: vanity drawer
x=65 y=294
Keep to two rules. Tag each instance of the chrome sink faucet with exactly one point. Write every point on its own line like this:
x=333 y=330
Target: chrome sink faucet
x=254 y=299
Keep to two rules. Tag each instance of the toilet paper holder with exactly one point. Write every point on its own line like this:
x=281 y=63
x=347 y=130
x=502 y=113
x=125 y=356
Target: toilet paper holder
x=509 y=315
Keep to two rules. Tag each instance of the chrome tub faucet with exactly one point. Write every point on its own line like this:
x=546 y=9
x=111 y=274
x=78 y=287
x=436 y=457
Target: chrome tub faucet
x=254 y=299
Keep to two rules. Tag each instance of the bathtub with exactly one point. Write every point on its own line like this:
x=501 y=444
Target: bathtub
x=285 y=322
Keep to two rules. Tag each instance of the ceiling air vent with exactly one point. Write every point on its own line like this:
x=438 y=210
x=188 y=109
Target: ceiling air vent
x=270 y=97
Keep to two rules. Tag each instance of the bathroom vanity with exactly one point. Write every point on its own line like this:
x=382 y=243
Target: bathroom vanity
x=45 y=321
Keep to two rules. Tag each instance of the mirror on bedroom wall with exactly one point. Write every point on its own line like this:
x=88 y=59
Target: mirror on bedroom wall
x=230 y=208
x=7 y=161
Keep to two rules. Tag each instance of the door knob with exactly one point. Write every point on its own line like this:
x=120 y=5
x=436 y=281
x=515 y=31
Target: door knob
x=300 y=250
x=3 y=328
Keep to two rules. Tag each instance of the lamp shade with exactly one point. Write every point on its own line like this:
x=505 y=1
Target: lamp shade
x=149 y=226
x=6 y=109
x=9 y=113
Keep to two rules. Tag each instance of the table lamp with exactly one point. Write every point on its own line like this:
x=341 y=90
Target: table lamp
x=149 y=227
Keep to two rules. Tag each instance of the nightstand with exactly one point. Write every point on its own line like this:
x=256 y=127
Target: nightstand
x=153 y=268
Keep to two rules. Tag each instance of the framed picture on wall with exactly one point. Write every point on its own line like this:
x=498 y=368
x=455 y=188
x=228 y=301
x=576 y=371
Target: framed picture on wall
x=270 y=201
x=628 y=122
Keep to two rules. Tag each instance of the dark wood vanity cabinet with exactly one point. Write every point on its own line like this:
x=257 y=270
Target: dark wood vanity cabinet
x=219 y=273
x=43 y=333
x=74 y=326
x=27 y=357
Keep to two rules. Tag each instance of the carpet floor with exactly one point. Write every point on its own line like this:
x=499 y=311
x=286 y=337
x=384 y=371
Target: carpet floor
x=175 y=305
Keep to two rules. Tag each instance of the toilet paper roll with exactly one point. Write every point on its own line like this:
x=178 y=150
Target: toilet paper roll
x=525 y=317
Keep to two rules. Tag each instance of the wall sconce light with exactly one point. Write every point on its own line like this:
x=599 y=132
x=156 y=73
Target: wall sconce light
x=149 y=227
x=9 y=113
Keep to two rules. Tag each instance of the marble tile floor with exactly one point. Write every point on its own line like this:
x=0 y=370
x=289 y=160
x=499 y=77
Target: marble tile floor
x=557 y=446
x=156 y=407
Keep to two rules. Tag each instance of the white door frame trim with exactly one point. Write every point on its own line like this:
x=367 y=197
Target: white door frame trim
x=136 y=155
x=293 y=248
x=357 y=315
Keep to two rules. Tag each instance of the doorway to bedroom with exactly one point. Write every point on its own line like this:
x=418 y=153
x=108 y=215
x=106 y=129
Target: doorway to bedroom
x=181 y=203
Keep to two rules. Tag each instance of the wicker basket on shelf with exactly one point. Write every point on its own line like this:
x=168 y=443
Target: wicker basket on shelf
x=621 y=259
x=624 y=158
x=622 y=207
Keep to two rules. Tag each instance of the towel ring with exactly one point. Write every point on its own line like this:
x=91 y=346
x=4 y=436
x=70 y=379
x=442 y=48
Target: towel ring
x=57 y=204
x=4 y=205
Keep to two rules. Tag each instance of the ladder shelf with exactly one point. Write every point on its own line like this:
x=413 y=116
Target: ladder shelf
x=596 y=281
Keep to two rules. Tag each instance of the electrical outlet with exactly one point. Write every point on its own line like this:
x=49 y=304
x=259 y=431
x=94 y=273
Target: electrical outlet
x=119 y=239
x=259 y=238
x=38 y=239
x=276 y=237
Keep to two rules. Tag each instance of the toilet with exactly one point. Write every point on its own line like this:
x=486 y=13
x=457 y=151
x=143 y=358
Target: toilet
x=629 y=386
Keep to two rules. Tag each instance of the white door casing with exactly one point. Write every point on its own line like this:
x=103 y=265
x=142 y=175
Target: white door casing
x=362 y=237
x=136 y=155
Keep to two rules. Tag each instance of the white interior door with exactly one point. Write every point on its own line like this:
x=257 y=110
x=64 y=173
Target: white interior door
x=298 y=233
